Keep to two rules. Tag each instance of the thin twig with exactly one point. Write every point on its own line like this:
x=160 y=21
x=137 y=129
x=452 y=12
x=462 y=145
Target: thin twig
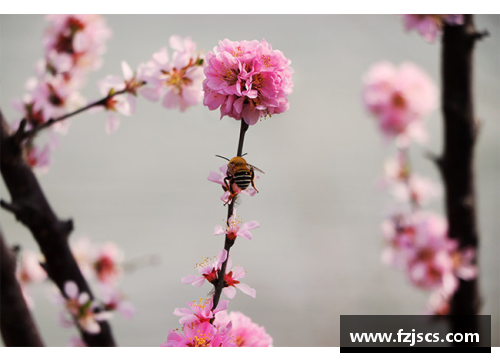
x=228 y=243
x=101 y=102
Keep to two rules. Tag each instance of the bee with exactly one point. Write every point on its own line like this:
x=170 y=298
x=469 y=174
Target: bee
x=241 y=173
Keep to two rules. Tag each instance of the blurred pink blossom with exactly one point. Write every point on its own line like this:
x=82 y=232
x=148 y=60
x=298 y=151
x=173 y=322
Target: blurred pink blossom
x=430 y=25
x=81 y=309
x=29 y=269
x=399 y=98
x=178 y=80
x=417 y=189
x=107 y=263
x=113 y=300
x=245 y=332
x=79 y=38
x=419 y=244
x=247 y=80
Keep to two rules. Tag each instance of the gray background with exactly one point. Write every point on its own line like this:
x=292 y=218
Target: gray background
x=317 y=253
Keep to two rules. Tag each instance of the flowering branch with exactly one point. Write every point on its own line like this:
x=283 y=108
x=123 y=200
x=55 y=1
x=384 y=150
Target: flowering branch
x=33 y=132
x=16 y=323
x=31 y=207
x=228 y=242
x=457 y=162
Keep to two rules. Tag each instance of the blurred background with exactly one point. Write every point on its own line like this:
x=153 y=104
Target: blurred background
x=317 y=253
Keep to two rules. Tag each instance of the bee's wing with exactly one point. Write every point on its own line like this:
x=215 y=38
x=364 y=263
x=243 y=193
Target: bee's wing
x=256 y=168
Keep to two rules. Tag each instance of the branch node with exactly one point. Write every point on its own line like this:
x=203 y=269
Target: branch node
x=66 y=226
x=19 y=135
x=13 y=208
x=479 y=35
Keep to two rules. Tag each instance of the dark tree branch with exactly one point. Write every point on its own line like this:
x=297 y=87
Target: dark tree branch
x=457 y=169
x=31 y=208
x=228 y=243
x=17 y=326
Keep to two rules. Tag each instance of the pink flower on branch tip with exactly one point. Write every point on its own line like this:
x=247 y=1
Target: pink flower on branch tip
x=235 y=228
x=399 y=98
x=430 y=25
x=245 y=332
x=210 y=271
x=178 y=80
x=120 y=94
x=247 y=80
x=81 y=309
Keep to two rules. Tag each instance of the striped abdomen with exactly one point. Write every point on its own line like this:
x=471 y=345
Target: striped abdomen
x=242 y=179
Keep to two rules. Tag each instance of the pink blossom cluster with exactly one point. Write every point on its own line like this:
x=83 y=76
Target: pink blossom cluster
x=430 y=25
x=247 y=80
x=104 y=264
x=245 y=332
x=176 y=80
x=400 y=98
x=418 y=244
x=205 y=326
x=73 y=46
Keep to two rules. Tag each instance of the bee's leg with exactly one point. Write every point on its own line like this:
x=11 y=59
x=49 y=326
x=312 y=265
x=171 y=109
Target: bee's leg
x=252 y=174
x=229 y=188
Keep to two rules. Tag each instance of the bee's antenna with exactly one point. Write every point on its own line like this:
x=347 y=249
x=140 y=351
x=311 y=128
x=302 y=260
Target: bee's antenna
x=244 y=154
x=223 y=157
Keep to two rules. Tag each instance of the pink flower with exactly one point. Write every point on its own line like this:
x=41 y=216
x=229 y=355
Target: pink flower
x=123 y=103
x=113 y=300
x=52 y=97
x=40 y=158
x=29 y=269
x=199 y=312
x=219 y=179
x=200 y=335
x=430 y=25
x=210 y=273
x=399 y=98
x=233 y=228
x=208 y=270
x=82 y=309
x=179 y=79
x=245 y=332
x=79 y=38
x=107 y=263
x=417 y=189
x=247 y=80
